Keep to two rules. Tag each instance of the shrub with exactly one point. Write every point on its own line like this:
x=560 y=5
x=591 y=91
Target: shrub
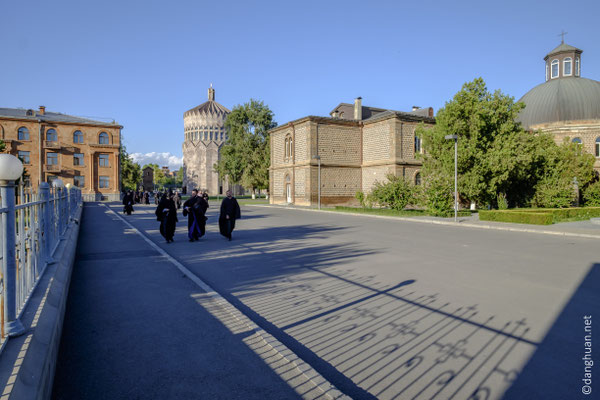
x=502 y=202
x=553 y=193
x=518 y=217
x=396 y=194
x=438 y=196
x=591 y=195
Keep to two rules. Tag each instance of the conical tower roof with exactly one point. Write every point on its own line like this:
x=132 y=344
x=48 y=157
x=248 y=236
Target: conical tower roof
x=211 y=107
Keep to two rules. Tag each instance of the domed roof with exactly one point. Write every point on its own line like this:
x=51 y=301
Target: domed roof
x=211 y=107
x=561 y=100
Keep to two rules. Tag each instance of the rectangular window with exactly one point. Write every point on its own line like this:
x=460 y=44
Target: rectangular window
x=103 y=182
x=24 y=157
x=567 y=66
x=52 y=158
x=79 y=181
x=103 y=160
x=78 y=159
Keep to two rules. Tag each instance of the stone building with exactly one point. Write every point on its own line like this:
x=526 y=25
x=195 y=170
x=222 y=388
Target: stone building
x=148 y=179
x=80 y=151
x=566 y=104
x=205 y=134
x=356 y=146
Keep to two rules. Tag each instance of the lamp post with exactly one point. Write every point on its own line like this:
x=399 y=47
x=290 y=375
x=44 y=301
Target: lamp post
x=455 y=138
x=318 y=158
x=11 y=169
x=59 y=184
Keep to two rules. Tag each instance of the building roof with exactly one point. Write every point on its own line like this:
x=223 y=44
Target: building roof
x=21 y=113
x=209 y=107
x=561 y=100
x=563 y=47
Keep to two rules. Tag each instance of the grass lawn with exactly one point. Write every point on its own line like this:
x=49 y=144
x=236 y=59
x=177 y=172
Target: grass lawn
x=393 y=213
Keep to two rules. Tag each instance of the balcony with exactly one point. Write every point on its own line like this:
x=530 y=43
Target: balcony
x=51 y=144
x=52 y=168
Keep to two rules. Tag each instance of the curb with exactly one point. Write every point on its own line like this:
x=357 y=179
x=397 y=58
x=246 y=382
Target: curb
x=436 y=222
x=36 y=373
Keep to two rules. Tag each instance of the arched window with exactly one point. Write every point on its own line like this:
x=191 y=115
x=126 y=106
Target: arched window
x=77 y=137
x=577 y=68
x=417 y=145
x=51 y=135
x=598 y=147
x=23 y=133
x=567 y=66
x=554 y=69
x=417 y=178
x=577 y=140
x=103 y=138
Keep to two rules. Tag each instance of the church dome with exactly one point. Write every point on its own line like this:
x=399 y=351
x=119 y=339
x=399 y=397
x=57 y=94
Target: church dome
x=561 y=100
x=565 y=96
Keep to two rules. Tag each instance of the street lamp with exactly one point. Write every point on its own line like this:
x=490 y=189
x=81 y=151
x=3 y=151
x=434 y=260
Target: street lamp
x=318 y=158
x=455 y=138
x=11 y=169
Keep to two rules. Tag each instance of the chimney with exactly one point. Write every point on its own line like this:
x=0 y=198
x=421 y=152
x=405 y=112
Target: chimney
x=431 y=112
x=211 y=93
x=42 y=110
x=358 y=108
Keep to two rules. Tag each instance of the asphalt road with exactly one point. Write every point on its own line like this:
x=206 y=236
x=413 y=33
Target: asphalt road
x=398 y=310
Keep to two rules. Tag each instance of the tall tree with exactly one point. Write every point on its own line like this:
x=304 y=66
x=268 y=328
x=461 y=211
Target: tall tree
x=496 y=157
x=245 y=157
x=2 y=146
x=131 y=173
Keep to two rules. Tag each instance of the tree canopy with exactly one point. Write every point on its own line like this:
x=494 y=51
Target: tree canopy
x=131 y=173
x=496 y=157
x=245 y=157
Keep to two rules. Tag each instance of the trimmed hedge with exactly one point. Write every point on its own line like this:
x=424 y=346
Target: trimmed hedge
x=517 y=217
x=540 y=216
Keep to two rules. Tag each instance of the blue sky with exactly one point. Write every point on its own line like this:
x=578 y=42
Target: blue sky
x=144 y=63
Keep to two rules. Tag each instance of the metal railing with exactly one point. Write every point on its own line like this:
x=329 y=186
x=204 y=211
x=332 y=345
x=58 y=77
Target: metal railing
x=33 y=224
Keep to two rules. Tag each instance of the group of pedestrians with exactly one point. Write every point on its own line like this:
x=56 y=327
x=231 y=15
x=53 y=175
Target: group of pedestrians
x=195 y=210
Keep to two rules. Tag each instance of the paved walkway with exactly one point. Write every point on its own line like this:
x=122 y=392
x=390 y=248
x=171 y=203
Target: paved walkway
x=381 y=308
x=137 y=328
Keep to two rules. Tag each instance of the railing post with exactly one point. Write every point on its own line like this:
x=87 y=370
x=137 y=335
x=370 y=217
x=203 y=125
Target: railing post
x=12 y=325
x=44 y=191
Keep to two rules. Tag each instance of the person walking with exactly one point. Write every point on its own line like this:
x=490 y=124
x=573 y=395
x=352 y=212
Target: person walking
x=128 y=203
x=230 y=211
x=194 y=208
x=167 y=215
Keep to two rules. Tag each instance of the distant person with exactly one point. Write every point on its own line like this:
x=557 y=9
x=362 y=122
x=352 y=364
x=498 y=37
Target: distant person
x=230 y=211
x=205 y=197
x=178 y=200
x=128 y=203
x=146 y=198
x=167 y=215
x=194 y=208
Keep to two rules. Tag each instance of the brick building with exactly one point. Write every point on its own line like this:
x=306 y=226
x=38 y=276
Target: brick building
x=566 y=105
x=356 y=147
x=77 y=150
x=148 y=179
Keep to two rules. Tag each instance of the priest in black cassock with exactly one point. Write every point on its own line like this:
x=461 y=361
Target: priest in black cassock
x=128 y=203
x=194 y=208
x=230 y=211
x=166 y=213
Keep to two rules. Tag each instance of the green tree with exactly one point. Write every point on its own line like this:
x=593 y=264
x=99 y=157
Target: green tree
x=496 y=157
x=179 y=177
x=131 y=173
x=2 y=146
x=396 y=193
x=245 y=157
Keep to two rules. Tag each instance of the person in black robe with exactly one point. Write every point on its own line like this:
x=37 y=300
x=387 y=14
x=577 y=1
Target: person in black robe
x=146 y=198
x=128 y=203
x=178 y=200
x=230 y=211
x=195 y=208
x=167 y=215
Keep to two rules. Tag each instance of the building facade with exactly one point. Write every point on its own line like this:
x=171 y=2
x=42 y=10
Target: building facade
x=79 y=151
x=345 y=153
x=205 y=134
x=148 y=179
x=566 y=104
